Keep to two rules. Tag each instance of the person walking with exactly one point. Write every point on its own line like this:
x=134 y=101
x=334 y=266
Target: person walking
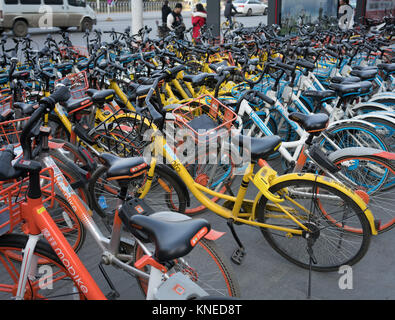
x=175 y=21
x=230 y=11
x=165 y=12
x=199 y=17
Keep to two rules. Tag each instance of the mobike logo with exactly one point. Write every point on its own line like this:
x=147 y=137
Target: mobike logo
x=66 y=263
x=202 y=232
x=66 y=190
x=76 y=277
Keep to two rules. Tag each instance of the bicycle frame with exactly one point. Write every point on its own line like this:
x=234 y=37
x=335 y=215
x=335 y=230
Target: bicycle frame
x=266 y=173
x=40 y=222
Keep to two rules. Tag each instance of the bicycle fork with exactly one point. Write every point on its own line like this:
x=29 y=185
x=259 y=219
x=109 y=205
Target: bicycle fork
x=28 y=267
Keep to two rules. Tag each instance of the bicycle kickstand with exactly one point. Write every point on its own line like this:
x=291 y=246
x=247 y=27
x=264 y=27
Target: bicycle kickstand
x=239 y=254
x=113 y=294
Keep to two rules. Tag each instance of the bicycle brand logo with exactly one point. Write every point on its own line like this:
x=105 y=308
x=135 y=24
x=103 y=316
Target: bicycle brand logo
x=198 y=236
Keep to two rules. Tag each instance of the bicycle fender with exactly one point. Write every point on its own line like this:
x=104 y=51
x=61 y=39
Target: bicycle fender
x=334 y=184
x=376 y=105
x=351 y=121
x=176 y=216
x=360 y=152
x=177 y=178
x=379 y=114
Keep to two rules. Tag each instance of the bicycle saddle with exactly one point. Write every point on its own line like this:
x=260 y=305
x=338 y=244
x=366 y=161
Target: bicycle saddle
x=365 y=68
x=140 y=89
x=310 y=122
x=345 y=79
x=387 y=67
x=172 y=239
x=260 y=148
x=73 y=105
x=101 y=96
x=123 y=167
x=198 y=79
x=27 y=109
x=21 y=75
x=365 y=74
x=320 y=95
x=343 y=89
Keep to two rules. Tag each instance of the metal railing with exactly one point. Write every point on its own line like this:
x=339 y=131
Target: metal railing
x=125 y=5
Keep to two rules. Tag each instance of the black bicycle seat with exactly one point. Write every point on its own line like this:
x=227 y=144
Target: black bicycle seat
x=310 y=122
x=123 y=167
x=172 y=239
x=260 y=148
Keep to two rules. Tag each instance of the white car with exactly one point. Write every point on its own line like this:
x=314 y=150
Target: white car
x=250 y=7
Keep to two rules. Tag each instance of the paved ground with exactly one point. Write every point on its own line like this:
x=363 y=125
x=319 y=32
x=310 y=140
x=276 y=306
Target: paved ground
x=264 y=274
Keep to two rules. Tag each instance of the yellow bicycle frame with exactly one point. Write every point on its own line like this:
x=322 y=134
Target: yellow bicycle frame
x=198 y=191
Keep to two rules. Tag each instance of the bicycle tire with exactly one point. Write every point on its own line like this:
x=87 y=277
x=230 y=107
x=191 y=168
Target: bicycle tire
x=69 y=224
x=385 y=128
x=58 y=130
x=11 y=246
x=72 y=152
x=74 y=177
x=293 y=250
x=203 y=174
x=376 y=176
x=367 y=137
x=106 y=207
x=222 y=270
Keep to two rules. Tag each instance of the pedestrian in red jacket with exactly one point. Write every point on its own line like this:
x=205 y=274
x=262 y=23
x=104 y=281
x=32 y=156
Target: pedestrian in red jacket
x=198 y=20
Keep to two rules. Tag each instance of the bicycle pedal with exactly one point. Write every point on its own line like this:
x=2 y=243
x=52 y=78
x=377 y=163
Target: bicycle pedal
x=238 y=256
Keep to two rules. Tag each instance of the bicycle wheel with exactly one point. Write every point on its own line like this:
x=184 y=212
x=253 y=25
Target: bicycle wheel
x=50 y=281
x=385 y=128
x=346 y=135
x=58 y=130
x=73 y=176
x=205 y=265
x=164 y=192
x=67 y=221
x=211 y=174
x=72 y=152
x=376 y=177
x=331 y=217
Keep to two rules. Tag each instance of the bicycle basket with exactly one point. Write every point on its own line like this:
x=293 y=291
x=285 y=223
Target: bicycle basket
x=5 y=103
x=73 y=52
x=204 y=117
x=10 y=132
x=12 y=196
x=79 y=84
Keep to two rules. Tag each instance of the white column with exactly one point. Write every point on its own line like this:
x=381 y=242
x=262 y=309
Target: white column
x=137 y=15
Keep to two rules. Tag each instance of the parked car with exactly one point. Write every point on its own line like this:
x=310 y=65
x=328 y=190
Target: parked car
x=19 y=15
x=250 y=7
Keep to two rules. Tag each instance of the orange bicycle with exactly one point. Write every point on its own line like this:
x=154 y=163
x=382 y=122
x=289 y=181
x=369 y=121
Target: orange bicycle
x=172 y=256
